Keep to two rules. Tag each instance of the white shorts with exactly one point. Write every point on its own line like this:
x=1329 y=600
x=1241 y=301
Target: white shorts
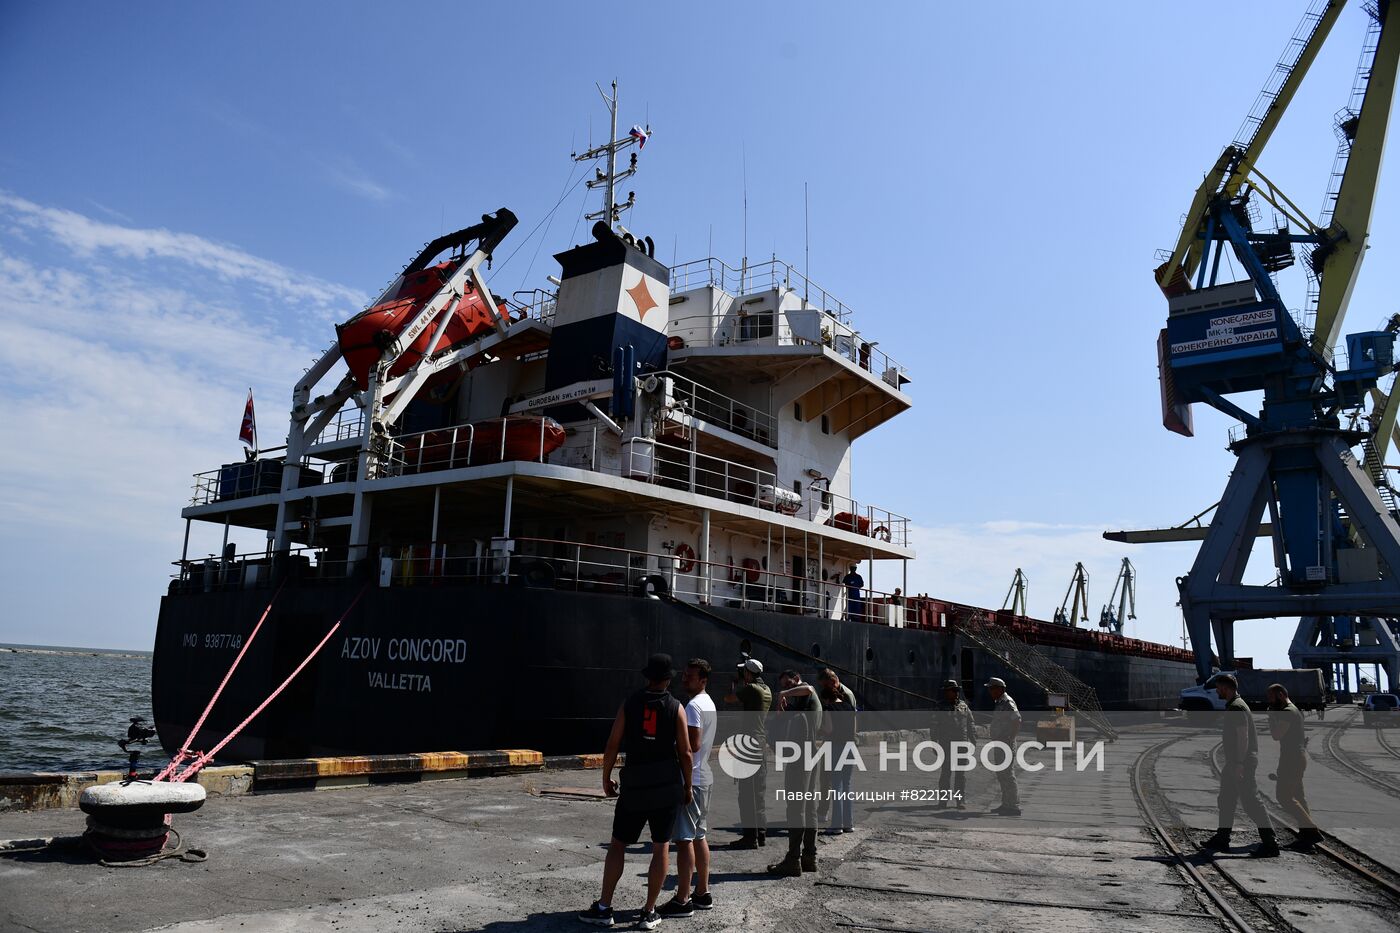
x=690 y=819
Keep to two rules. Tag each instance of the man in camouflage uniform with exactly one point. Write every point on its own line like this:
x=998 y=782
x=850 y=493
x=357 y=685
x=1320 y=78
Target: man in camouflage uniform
x=1006 y=726
x=1286 y=726
x=1237 y=777
x=952 y=722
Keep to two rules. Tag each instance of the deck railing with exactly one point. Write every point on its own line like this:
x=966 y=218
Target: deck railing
x=756 y=278
x=722 y=411
x=823 y=321
x=642 y=459
x=543 y=563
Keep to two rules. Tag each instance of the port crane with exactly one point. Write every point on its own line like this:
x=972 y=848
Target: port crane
x=1016 y=594
x=1072 y=615
x=1336 y=541
x=1125 y=596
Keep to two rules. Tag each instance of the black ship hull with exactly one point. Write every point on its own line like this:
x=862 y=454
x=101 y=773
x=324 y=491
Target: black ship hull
x=477 y=666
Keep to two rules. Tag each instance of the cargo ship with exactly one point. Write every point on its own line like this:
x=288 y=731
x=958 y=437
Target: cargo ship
x=497 y=507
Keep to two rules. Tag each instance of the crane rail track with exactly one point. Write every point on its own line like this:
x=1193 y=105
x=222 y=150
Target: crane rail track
x=1333 y=746
x=1344 y=854
x=1193 y=873
x=1385 y=743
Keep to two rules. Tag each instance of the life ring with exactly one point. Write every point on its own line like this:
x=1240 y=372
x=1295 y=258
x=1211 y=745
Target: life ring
x=752 y=569
x=881 y=533
x=685 y=556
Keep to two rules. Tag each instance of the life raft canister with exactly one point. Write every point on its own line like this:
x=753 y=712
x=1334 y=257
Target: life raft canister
x=685 y=557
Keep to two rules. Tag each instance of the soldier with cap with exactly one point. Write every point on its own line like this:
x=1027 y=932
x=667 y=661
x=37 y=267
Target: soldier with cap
x=752 y=695
x=1237 y=778
x=1006 y=725
x=799 y=724
x=952 y=722
x=656 y=781
x=1286 y=726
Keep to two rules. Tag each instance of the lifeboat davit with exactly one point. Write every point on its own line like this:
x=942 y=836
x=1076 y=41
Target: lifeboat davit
x=364 y=338
x=519 y=437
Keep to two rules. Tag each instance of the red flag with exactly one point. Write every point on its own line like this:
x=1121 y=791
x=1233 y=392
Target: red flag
x=248 y=433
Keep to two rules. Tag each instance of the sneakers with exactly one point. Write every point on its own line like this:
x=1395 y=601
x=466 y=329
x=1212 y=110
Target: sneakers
x=674 y=908
x=649 y=919
x=704 y=901
x=597 y=915
x=1007 y=811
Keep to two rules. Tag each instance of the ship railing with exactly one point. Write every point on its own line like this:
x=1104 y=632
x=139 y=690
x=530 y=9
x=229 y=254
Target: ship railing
x=536 y=304
x=643 y=459
x=795 y=328
x=232 y=571
x=348 y=423
x=722 y=411
x=546 y=563
x=838 y=511
x=704 y=474
x=762 y=277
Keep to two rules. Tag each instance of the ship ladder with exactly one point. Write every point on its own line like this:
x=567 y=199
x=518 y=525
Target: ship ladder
x=1034 y=666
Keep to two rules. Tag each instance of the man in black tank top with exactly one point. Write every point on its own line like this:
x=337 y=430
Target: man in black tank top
x=650 y=729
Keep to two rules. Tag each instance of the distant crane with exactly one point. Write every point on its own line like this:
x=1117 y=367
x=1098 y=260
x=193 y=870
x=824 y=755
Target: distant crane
x=1125 y=595
x=1016 y=595
x=1079 y=589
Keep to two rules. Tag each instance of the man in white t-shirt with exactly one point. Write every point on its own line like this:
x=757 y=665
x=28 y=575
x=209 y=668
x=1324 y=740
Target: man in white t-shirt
x=692 y=848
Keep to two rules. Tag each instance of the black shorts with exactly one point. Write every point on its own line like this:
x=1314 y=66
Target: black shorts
x=627 y=824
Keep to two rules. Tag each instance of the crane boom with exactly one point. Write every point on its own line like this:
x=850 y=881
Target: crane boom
x=1351 y=218
x=1230 y=171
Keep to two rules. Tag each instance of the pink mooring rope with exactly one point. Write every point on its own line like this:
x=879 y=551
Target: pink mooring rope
x=185 y=751
x=205 y=757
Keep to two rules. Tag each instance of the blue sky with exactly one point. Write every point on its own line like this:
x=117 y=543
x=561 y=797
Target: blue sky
x=191 y=196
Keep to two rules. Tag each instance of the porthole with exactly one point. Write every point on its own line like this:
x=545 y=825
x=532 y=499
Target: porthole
x=816 y=650
x=869 y=654
x=745 y=647
x=911 y=656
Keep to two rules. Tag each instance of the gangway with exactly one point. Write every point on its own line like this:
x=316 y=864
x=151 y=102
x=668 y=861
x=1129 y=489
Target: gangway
x=1031 y=664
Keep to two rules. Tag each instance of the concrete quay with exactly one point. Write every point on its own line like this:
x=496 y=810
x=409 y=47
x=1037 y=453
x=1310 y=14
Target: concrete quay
x=524 y=851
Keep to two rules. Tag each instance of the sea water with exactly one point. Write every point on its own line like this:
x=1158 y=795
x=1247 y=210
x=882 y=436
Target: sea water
x=63 y=709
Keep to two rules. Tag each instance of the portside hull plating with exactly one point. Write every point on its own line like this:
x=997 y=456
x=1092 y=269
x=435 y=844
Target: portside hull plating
x=463 y=667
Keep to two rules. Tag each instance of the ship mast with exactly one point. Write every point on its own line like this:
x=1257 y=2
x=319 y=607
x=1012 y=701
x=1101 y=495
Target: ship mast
x=608 y=180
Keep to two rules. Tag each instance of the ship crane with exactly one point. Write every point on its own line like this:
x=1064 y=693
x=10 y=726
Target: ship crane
x=1125 y=595
x=1072 y=614
x=1336 y=544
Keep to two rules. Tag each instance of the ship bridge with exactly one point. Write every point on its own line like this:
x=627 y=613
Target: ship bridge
x=771 y=320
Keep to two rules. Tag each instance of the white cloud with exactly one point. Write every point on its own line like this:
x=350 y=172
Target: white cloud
x=974 y=564
x=344 y=173
x=88 y=237
x=125 y=365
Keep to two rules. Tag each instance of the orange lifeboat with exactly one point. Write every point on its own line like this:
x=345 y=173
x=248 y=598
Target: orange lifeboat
x=364 y=338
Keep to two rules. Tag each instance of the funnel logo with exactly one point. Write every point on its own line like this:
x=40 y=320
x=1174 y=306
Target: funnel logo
x=741 y=756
